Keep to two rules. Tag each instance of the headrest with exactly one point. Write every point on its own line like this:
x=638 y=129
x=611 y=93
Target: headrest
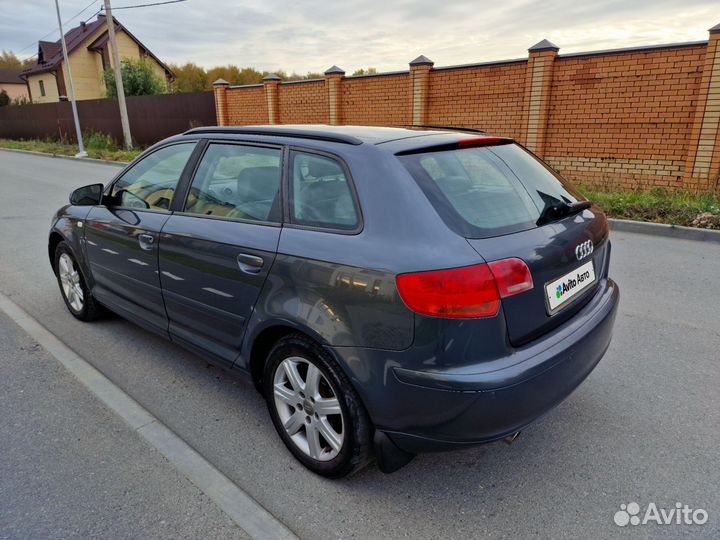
x=260 y=180
x=319 y=168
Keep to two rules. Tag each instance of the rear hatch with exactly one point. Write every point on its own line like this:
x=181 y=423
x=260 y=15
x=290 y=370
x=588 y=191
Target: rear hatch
x=508 y=204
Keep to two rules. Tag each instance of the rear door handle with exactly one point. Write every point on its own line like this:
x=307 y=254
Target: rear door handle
x=146 y=241
x=250 y=264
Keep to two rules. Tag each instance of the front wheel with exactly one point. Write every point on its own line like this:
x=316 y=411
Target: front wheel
x=315 y=409
x=73 y=288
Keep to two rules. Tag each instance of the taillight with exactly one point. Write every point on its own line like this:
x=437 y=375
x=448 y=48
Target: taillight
x=512 y=276
x=467 y=292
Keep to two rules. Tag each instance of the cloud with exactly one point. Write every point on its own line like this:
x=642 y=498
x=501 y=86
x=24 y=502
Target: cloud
x=311 y=35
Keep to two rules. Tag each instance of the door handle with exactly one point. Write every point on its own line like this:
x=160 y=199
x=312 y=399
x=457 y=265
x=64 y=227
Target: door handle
x=146 y=241
x=250 y=264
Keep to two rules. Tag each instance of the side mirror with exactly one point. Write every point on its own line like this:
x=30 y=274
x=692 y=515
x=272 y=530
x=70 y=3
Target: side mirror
x=87 y=195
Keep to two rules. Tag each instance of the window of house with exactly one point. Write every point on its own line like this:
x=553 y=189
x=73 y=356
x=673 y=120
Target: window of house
x=42 y=88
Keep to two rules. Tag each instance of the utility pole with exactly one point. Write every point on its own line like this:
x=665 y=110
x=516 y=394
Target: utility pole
x=81 y=147
x=118 y=77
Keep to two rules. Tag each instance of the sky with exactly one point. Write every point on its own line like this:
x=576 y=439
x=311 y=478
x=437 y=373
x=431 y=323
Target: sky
x=312 y=35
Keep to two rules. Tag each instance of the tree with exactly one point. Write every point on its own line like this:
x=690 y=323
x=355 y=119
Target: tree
x=235 y=75
x=139 y=79
x=296 y=77
x=193 y=78
x=9 y=60
x=189 y=78
x=364 y=71
x=4 y=98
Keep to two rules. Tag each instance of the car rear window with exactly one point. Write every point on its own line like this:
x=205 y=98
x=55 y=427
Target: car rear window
x=489 y=190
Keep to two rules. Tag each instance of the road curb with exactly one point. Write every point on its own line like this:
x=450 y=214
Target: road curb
x=61 y=156
x=663 y=229
x=239 y=505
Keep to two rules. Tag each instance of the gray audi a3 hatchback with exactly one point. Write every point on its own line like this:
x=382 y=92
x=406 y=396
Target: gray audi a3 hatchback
x=389 y=291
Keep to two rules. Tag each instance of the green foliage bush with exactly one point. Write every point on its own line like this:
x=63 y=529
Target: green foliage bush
x=139 y=79
x=99 y=141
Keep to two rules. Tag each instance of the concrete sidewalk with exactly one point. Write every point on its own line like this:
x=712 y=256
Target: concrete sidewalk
x=69 y=468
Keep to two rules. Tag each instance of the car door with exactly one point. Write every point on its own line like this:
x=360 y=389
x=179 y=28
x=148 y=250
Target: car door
x=216 y=253
x=121 y=235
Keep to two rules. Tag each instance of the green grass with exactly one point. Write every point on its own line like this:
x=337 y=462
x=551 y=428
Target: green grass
x=660 y=206
x=98 y=146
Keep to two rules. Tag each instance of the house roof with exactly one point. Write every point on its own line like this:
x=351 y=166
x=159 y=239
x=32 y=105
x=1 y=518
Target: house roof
x=50 y=52
x=10 y=76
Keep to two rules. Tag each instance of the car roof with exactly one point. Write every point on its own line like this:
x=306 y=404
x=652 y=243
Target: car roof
x=354 y=135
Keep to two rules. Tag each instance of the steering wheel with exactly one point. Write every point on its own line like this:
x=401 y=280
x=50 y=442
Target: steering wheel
x=306 y=211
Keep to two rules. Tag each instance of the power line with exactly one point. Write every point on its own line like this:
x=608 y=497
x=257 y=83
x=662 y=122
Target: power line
x=51 y=32
x=83 y=10
x=149 y=5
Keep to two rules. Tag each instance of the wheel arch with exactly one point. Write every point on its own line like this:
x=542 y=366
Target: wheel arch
x=53 y=241
x=261 y=341
x=260 y=347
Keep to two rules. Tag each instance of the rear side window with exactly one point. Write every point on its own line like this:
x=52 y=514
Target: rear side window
x=237 y=181
x=490 y=190
x=321 y=195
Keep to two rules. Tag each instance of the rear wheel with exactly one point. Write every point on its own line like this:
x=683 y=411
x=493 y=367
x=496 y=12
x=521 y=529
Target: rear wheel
x=315 y=409
x=73 y=288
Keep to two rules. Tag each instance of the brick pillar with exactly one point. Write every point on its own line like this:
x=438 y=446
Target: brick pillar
x=221 y=110
x=272 y=84
x=420 y=69
x=703 y=161
x=333 y=83
x=538 y=82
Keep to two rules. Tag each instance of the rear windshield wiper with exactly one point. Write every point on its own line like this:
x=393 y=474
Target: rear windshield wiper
x=553 y=212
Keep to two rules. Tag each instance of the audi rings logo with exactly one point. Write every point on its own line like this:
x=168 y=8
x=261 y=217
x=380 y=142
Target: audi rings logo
x=584 y=249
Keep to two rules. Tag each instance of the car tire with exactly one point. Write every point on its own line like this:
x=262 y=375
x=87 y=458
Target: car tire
x=73 y=287
x=315 y=409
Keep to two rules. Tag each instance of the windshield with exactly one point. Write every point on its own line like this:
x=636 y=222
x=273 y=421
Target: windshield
x=489 y=190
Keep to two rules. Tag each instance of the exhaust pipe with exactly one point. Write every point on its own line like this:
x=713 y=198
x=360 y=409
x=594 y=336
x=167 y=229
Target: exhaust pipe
x=511 y=438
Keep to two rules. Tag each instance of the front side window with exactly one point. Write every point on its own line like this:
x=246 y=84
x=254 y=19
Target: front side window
x=235 y=181
x=150 y=184
x=320 y=193
x=42 y=88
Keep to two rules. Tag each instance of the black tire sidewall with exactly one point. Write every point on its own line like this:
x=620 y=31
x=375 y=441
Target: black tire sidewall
x=354 y=452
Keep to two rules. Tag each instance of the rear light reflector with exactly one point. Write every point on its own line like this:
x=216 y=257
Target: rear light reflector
x=512 y=276
x=464 y=293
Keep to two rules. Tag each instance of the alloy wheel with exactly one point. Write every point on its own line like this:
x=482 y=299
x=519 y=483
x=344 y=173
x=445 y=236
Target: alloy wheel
x=70 y=282
x=308 y=408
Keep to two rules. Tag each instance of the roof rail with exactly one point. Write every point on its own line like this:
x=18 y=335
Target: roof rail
x=449 y=128
x=297 y=133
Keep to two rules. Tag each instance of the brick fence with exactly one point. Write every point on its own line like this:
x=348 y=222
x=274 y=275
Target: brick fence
x=630 y=118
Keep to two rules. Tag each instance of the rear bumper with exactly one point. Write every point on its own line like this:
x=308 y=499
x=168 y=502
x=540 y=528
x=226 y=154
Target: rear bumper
x=477 y=404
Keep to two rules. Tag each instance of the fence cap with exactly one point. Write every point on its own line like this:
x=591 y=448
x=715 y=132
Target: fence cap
x=334 y=70
x=715 y=29
x=544 y=45
x=221 y=82
x=422 y=60
x=272 y=77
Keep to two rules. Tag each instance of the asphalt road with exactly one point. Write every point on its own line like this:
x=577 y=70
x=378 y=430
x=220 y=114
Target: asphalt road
x=644 y=427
